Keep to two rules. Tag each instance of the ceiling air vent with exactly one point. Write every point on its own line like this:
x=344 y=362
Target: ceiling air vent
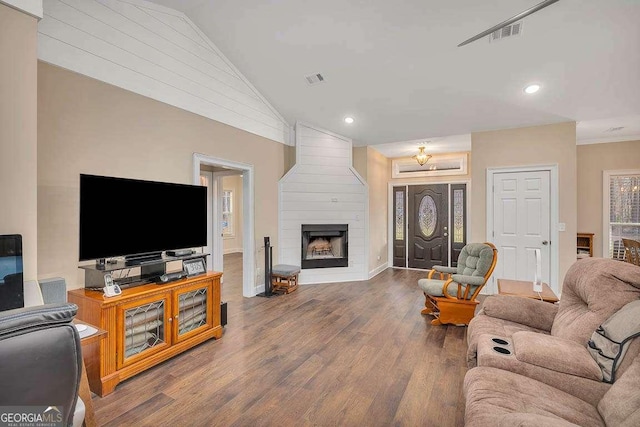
x=314 y=79
x=512 y=30
x=616 y=129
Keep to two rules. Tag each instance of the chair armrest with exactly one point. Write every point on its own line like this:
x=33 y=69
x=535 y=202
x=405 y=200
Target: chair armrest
x=556 y=354
x=530 y=312
x=444 y=269
x=468 y=280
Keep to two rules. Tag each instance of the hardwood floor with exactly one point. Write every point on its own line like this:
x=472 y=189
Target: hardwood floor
x=348 y=354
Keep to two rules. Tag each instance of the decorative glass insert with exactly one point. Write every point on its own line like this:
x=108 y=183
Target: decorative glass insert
x=399 y=215
x=143 y=327
x=624 y=212
x=458 y=216
x=427 y=216
x=192 y=310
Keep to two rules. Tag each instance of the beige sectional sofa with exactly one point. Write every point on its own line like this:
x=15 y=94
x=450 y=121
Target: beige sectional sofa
x=530 y=360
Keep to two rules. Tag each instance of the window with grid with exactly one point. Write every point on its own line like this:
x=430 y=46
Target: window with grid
x=227 y=212
x=624 y=211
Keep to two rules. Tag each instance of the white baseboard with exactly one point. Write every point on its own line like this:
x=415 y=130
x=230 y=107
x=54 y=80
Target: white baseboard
x=232 y=251
x=379 y=269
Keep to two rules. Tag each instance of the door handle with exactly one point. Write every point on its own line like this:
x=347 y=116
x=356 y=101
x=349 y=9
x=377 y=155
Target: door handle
x=446 y=234
x=545 y=242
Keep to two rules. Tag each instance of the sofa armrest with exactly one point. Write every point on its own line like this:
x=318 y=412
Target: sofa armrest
x=530 y=312
x=556 y=354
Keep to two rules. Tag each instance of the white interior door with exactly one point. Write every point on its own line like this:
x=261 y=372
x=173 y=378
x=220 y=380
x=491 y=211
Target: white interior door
x=521 y=224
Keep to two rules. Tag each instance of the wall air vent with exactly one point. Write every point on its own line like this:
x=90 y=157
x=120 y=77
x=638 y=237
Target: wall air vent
x=616 y=129
x=512 y=30
x=314 y=79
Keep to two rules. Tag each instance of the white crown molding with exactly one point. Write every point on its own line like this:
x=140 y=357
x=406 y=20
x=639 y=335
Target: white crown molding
x=30 y=7
x=608 y=140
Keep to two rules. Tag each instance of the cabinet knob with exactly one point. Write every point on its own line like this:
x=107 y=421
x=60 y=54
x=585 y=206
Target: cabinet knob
x=170 y=319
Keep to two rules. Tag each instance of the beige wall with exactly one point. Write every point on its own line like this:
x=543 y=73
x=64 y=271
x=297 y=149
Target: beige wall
x=86 y=126
x=540 y=145
x=234 y=243
x=378 y=181
x=18 y=132
x=360 y=160
x=592 y=161
x=376 y=170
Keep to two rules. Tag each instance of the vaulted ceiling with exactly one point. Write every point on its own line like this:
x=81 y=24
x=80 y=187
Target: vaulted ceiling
x=395 y=67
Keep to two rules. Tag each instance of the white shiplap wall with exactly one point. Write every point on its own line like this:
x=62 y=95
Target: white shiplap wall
x=156 y=52
x=323 y=188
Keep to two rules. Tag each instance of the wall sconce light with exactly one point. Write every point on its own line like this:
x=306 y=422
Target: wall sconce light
x=422 y=157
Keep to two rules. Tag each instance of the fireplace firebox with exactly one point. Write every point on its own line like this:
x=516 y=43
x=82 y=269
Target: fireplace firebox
x=325 y=245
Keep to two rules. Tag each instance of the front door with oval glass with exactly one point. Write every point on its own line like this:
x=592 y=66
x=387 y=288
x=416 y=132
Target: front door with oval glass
x=428 y=225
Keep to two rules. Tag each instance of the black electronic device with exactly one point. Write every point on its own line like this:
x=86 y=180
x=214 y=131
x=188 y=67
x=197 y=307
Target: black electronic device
x=181 y=252
x=195 y=266
x=170 y=277
x=11 y=274
x=223 y=313
x=131 y=217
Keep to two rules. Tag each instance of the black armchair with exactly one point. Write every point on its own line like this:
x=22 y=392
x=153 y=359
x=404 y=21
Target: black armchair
x=40 y=358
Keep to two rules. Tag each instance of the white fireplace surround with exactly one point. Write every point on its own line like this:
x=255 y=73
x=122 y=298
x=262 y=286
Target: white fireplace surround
x=323 y=188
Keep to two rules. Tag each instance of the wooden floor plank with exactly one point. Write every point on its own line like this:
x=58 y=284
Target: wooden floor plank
x=356 y=353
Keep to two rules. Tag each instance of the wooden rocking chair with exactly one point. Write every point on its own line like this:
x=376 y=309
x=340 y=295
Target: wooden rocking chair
x=452 y=298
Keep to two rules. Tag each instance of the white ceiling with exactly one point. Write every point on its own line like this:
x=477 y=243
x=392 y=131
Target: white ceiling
x=396 y=68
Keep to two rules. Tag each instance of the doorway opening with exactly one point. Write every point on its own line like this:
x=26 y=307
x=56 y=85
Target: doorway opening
x=230 y=188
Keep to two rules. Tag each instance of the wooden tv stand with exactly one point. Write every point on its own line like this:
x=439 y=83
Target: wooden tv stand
x=146 y=325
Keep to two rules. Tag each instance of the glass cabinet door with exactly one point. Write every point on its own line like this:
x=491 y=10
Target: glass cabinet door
x=193 y=305
x=146 y=325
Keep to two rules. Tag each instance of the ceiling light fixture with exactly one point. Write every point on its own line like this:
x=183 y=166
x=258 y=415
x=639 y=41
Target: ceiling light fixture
x=348 y=120
x=532 y=88
x=422 y=157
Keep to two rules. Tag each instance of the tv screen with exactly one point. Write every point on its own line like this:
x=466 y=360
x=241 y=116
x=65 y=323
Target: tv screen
x=120 y=216
x=11 y=281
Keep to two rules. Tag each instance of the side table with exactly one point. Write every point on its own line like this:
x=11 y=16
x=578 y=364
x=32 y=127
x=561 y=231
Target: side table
x=85 y=393
x=521 y=288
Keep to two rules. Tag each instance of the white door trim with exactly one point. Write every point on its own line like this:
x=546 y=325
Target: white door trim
x=554 y=214
x=391 y=216
x=248 y=221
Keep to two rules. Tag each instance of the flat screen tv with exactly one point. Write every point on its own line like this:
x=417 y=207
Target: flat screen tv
x=130 y=217
x=11 y=280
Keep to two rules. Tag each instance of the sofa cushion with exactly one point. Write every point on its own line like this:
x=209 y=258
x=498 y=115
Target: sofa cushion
x=594 y=289
x=609 y=343
x=555 y=354
x=494 y=397
x=620 y=406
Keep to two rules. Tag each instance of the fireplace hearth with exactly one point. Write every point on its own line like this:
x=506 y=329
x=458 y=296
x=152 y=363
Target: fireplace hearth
x=324 y=245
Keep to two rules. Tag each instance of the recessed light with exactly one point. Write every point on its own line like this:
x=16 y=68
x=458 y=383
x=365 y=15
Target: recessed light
x=348 y=120
x=533 y=88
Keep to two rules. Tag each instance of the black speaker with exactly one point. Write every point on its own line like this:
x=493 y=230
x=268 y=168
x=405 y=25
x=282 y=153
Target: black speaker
x=223 y=313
